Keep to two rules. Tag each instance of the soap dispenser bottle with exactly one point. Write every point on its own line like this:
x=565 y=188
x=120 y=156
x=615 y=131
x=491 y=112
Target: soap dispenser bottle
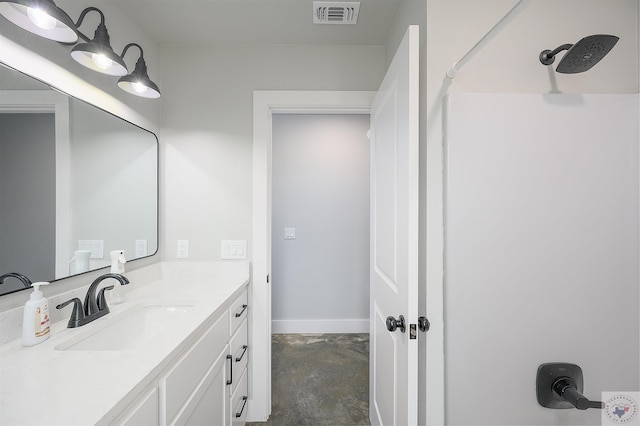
x=117 y=267
x=36 y=325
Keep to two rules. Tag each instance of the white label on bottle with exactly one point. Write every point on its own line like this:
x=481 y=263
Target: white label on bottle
x=41 y=323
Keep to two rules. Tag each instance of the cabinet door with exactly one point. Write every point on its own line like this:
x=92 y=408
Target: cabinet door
x=238 y=312
x=239 y=401
x=144 y=412
x=183 y=381
x=239 y=352
x=209 y=404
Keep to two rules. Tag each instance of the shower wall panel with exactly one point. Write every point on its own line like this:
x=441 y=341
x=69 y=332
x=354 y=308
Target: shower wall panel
x=541 y=251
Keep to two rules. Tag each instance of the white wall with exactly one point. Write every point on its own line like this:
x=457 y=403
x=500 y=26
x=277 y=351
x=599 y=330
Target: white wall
x=541 y=251
x=320 y=180
x=207 y=128
x=508 y=64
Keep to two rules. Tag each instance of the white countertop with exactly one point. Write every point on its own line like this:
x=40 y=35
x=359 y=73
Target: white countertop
x=40 y=385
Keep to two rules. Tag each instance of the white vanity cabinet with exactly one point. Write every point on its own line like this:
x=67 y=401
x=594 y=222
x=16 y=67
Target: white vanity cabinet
x=206 y=383
x=186 y=363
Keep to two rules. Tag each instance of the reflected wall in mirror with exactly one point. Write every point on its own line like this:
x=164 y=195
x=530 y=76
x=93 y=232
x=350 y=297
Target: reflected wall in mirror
x=76 y=182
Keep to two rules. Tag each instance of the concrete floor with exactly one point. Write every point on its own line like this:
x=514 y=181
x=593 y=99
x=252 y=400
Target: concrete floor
x=319 y=379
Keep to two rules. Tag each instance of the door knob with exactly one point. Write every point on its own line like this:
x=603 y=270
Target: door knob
x=393 y=324
x=423 y=324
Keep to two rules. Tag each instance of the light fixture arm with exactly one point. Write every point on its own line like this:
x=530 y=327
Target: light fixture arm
x=124 y=51
x=141 y=66
x=101 y=31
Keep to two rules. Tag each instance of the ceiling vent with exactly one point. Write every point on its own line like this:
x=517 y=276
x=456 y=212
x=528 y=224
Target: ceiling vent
x=335 y=12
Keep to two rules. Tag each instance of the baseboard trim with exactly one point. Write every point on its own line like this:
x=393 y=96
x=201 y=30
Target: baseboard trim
x=320 y=326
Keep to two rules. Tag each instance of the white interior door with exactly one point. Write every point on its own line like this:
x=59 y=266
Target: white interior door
x=394 y=240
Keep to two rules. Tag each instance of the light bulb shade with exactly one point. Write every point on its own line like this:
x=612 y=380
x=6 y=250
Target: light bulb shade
x=99 y=57
x=40 y=17
x=138 y=82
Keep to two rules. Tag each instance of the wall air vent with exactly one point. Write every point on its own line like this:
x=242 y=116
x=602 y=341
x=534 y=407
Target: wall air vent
x=335 y=12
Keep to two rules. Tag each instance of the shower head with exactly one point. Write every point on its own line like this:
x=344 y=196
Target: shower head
x=580 y=56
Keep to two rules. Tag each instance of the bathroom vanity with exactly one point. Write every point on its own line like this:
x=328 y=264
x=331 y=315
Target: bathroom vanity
x=175 y=352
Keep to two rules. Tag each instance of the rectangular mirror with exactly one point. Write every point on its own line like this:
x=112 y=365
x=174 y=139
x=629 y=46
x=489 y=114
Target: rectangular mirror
x=76 y=182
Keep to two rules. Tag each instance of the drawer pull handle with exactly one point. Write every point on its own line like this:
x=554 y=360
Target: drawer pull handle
x=239 y=314
x=244 y=351
x=238 y=414
x=230 y=358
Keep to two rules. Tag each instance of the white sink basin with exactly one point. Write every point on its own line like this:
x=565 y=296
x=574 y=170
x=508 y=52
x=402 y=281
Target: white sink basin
x=128 y=329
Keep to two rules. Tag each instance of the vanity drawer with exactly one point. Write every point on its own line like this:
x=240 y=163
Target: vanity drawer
x=178 y=384
x=240 y=352
x=240 y=402
x=238 y=312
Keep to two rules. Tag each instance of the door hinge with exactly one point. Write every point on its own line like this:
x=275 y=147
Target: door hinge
x=267 y=278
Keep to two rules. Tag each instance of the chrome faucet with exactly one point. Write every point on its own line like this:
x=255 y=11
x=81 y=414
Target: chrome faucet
x=26 y=281
x=94 y=306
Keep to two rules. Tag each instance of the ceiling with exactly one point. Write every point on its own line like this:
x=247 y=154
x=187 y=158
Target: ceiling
x=251 y=22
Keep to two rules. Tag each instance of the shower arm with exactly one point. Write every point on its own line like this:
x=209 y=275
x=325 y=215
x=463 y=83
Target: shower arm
x=457 y=66
x=548 y=56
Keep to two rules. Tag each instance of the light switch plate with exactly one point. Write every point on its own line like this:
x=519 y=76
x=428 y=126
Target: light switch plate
x=289 y=233
x=233 y=249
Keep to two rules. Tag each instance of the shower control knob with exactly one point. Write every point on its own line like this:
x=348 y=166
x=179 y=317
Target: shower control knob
x=394 y=324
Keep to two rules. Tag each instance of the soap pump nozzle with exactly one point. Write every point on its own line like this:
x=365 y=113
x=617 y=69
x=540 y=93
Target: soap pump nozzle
x=117 y=267
x=37 y=293
x=117 y=261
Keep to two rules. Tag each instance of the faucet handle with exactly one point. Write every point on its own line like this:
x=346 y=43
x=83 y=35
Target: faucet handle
x=102 y=300
x=77 y=315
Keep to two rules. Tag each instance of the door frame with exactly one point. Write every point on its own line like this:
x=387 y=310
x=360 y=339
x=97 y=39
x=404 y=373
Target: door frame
x=50 y=101
x=265 y=104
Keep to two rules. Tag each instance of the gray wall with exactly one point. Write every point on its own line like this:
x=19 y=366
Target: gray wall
x=320 y=188
x=27 y=184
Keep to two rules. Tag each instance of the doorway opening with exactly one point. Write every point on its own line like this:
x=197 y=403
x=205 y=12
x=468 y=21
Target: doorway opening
x=267 y=104
x=320 y=268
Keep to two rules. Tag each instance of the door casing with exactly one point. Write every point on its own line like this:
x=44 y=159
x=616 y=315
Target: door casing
x=265 y=104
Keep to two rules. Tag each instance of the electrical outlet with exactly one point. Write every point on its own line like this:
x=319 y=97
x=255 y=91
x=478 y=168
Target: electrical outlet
x=183 y=249
x=141 y=248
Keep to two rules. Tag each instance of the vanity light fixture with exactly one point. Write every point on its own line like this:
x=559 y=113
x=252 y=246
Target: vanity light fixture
x=40 y=17
x=138 y=82
x=44 y=18
x=97 y=54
